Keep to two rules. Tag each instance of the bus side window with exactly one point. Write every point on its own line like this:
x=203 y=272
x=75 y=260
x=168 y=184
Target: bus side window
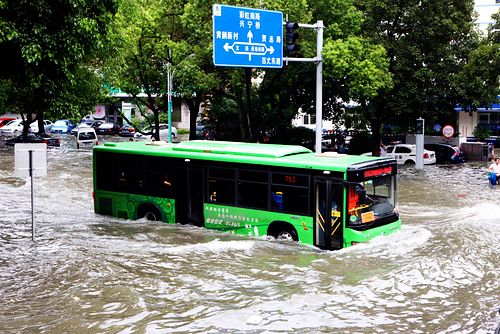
x=221 y=191
x=278 y=200
x=122 y=179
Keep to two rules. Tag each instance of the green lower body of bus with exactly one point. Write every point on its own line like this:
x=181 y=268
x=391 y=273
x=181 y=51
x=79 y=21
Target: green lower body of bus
x=352 y=236
x=232 y=219
x=242 y=221
x=130 y=206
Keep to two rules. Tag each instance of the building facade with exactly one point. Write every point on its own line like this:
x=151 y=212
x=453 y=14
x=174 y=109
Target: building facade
x=485 y=9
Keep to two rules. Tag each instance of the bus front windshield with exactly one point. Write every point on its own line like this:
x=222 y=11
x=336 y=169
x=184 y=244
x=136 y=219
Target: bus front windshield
x=371 y=200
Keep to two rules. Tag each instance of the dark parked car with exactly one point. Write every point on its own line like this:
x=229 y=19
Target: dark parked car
x=126 y=131
x=108 y=128
x=34 y=138
x=84 y=124
x=446 y=153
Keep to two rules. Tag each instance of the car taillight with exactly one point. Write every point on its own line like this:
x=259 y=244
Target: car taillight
x=455 y=154
x=426 y=156
x=97 y=142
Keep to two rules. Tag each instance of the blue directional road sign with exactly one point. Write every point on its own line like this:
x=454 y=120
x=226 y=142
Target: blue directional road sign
x=247 y=37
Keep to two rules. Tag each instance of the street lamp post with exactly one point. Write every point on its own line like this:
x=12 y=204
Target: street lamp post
x=170 y=84
x=170 y=89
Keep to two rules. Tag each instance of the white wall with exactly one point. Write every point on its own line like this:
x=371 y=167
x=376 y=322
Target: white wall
x=466 y=123
x=485 y=8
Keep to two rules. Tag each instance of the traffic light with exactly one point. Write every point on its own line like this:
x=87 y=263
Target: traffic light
x=291 y=36
x=420 y=127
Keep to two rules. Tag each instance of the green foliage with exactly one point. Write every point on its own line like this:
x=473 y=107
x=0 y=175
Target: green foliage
x=481 y=133
x=363 y=66
x=222 y=116
x=396 y=61
x=295 y=136
x=49 y=49
x=360 y=143
x=477 y=82
x=427 y=43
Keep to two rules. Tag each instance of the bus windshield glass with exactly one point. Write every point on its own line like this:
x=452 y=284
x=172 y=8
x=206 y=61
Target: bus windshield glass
x=371 y=200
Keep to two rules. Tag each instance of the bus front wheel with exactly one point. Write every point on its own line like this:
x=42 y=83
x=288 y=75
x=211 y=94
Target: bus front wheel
x=283 y=231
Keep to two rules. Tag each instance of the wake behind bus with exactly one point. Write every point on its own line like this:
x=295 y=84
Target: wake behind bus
x=328 y=200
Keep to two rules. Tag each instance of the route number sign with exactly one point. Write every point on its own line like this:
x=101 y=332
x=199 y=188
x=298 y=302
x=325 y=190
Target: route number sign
x=247 y=37
x=448 y=131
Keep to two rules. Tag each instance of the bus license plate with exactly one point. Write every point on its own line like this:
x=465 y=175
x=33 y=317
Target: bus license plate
x=367 y=217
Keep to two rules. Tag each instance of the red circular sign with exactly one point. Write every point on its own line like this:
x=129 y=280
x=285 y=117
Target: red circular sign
x=448 y=131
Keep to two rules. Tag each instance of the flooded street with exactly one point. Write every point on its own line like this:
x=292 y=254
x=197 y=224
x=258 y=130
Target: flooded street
x=96 y=274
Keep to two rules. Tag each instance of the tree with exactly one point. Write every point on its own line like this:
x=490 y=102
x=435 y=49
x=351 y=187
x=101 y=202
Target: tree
x=149 y=40
x=478 y=82
x=48 y=48
x=147 y=36
x=427 y=42
x=233 y=84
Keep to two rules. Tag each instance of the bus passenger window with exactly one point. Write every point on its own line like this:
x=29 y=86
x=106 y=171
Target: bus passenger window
x=253 y=195
x=123 y=179
x=278 y=200
x=223 y=190
x=166 y=181
x=290 y=199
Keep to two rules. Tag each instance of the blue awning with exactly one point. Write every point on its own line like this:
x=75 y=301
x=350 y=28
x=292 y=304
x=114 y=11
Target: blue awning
x=495 y=107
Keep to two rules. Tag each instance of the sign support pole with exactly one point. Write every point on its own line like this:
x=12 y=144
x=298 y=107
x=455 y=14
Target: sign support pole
x=319 y=86
x=32 y=197
x=319 y=78
x=30 y=160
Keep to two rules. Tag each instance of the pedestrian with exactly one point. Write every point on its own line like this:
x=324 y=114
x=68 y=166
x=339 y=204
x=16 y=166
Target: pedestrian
x=494 y=169
x=383 y=149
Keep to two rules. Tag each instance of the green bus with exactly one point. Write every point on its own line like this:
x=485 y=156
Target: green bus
x=328 y=200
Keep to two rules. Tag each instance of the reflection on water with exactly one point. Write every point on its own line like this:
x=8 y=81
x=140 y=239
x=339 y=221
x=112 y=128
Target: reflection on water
x=94 y=274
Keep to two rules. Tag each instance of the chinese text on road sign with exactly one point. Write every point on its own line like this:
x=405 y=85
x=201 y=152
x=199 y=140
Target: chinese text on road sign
x=247 y=37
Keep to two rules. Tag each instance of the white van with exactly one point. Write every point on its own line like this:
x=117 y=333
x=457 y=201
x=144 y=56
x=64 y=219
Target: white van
x=86 y=137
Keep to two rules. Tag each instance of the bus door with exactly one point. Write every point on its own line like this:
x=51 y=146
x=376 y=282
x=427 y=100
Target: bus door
x=328 y=224
x=189 y=200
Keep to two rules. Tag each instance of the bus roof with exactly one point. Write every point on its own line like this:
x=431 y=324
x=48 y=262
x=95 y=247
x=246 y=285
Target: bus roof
x=236 y=152
x=238 y=148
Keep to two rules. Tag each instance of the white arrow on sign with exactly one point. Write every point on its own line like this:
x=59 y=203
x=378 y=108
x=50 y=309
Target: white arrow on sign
x=250 y=49
x=259 y=49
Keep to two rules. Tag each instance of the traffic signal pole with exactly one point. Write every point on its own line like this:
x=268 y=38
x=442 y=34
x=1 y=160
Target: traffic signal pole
x=319 y=77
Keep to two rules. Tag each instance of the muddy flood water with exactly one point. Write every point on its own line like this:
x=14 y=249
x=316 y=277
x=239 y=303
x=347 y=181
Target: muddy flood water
x=87 y=273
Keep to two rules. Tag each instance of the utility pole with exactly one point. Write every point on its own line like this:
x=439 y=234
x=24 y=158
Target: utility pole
x=170 y=87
